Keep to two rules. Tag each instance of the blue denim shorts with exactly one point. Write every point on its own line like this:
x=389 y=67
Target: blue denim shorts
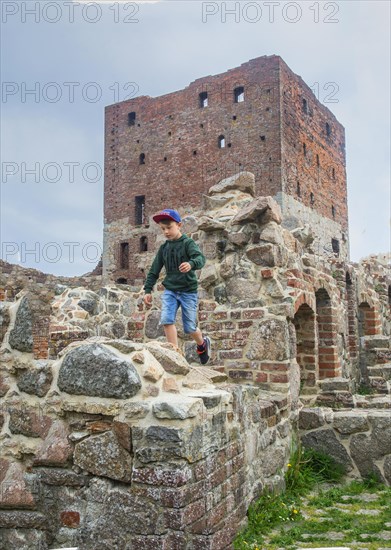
x=171 y=301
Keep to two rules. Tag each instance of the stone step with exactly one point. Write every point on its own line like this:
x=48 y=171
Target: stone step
x=377 y=341
x=379 y=384
x=334 y=384
x=381 y=370
x=372 y=402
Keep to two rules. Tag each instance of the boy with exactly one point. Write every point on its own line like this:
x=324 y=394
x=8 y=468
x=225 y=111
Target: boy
x=181 y=257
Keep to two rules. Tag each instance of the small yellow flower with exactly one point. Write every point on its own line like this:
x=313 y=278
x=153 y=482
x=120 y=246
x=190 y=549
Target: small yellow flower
x=289 y=465
x=295 y=511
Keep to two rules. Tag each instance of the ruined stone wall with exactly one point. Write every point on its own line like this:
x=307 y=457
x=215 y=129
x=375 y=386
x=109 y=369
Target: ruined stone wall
x=119 y=445
x=264 y=134
x=359 y=440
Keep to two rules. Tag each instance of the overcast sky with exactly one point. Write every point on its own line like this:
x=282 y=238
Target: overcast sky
x=78 y=57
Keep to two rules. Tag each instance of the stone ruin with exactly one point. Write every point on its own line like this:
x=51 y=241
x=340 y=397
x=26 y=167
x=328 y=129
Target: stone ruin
x=112 y=439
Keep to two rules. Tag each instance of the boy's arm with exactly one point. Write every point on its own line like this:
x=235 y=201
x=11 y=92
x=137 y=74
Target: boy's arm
x=196 y=258
x=153 y=273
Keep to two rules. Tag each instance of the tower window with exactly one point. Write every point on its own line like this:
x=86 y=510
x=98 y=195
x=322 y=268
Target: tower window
x=203 y=97
x=305 y=106
x=142 y=158
x=312 y=198
x=304 y=149
x=317 y=160
x=328 y=129
x=131 y=118
x=124 y=256
x=333 y=173
x=335 y=245
x=140 y=210
x=298 y=190
x=239 y=94
x=143 y=244
x=221 y=142
x=333 y=212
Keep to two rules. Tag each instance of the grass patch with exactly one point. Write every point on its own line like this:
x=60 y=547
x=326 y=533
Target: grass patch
x=332 y=517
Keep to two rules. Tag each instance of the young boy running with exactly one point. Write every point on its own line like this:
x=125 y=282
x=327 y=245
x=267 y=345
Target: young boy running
x=181 y=257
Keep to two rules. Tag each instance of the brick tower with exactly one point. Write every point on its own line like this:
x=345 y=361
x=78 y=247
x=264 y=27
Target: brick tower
x=260 y=117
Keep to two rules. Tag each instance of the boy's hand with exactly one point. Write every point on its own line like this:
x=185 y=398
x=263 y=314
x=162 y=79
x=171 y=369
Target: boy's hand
x=148 y=299
x=184 y=267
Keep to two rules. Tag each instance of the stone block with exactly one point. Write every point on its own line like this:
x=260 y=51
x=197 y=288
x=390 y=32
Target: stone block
x=244 y=181
x=92 y=369
x=172 y=361
x=55 y=450
x=103 y=455
x=261 y=210
x=349 y=422
x=21 y=336
x=311 y=418
x=326 y=441
x=177 y=408
x=36 y=380
x=269 y=341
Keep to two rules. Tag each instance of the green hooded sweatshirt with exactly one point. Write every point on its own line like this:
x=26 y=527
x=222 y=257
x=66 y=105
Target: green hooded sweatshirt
x=170 y=255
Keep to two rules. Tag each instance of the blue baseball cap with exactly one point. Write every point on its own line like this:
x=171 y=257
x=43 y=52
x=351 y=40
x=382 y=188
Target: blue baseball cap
x=167 y=214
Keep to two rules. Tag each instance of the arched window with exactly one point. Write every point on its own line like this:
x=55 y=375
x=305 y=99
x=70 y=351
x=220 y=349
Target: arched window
x=142 y=158
x=221 y=142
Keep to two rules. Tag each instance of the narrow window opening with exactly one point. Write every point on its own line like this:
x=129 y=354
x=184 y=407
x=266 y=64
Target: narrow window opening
x=304 y=149
x=142 y=158
x=201 y=125
x=317 y=160
x=144 y=244
x=194 y=153
x=239 y=94
x=229 y=145
x=305 y=106
x=203 y=98
x=333 y=212
x=221 y=142
x=263 y=138
x=165 y=159
x=140 y=210
x=169 y=133
x=124 y=256
x=328 y=129
x=298 y=190
x=312 y=198
x=333 y=173
x=131 y=118
x=389 y=295
x=335 y=245
x=234 y=117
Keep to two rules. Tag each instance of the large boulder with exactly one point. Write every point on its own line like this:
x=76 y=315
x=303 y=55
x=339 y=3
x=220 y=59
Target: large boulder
x=92 y=369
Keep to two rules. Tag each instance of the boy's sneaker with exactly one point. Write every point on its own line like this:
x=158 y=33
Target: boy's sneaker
x=204 y=351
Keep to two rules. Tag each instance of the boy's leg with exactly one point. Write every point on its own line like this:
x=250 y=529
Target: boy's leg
x=170 y=306
x=171 y=334
x=189 y=302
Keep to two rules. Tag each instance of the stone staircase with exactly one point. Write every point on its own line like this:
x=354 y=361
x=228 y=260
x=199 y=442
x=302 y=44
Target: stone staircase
x=378 y=364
